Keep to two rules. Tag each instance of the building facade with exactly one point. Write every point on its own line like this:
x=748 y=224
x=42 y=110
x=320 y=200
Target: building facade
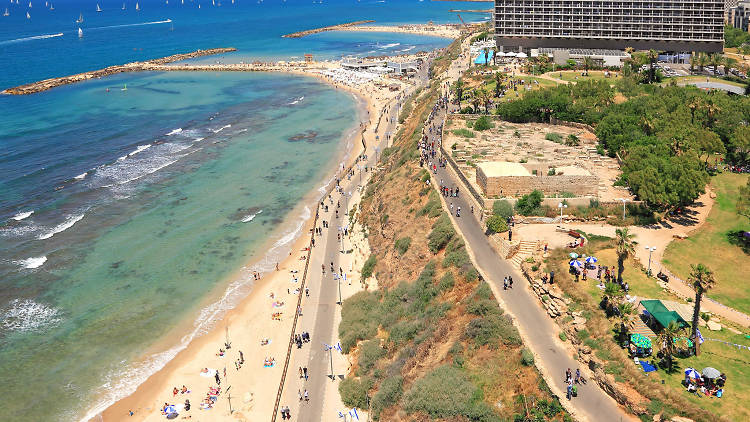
x=664 y=25
x=739 y=15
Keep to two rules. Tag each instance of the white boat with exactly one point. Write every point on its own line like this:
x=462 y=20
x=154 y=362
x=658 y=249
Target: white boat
x=137 y=8
x=6 y=12
x=213 y=2
x=98 y=9
x=28 y=16
x=29 y=5
x=80 y=18
x=123 y=6
x=80 y=33
x=51 y=6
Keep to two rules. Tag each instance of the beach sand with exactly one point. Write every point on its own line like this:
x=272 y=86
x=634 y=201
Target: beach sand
x=253 y=387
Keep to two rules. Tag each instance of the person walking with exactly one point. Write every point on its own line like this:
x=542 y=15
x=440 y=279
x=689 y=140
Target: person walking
x=216 y=377
x=570 y=389
x=578 y=375
x=307 y=396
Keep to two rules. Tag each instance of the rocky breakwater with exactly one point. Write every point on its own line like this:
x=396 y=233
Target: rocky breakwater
x=46 y=84
x=301 y=34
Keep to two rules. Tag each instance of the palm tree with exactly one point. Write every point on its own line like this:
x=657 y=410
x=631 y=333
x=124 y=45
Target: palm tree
x=475 y=100
x=702 y=60
x=624 y=248
x=652 y=56
x=702 y=280
x=728 y=63
x=498 y=86
x=630 y=50
x=666 y=339
x=693 y=61
x=711 y=111
x=627 y=316
x=715 y=60
x=494 y=56
x=693 y=105
x=587 y=63
x=486 y=57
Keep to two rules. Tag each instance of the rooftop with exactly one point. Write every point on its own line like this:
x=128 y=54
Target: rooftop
x=502 y=168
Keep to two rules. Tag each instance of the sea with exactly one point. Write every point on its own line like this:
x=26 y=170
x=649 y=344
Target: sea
x=137 y=206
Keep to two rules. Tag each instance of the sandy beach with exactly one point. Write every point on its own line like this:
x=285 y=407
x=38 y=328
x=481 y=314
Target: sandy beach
x=260 y=326
x=435 y=30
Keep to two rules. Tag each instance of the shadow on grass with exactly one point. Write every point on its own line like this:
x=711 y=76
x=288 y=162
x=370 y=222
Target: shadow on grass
x=739 y=238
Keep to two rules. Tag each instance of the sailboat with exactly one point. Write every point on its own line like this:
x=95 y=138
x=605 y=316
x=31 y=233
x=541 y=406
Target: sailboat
x=28 y=16
x=29 y=5
x=80 y=33
x=80 y=18
x=125 y=88
x=51 y=6
x=98 y=9
x=6 y=12
x=123 y=6
x=137 y=8
x=213 y=2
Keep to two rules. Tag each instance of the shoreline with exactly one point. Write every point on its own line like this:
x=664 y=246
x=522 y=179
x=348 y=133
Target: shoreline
x=144 y=394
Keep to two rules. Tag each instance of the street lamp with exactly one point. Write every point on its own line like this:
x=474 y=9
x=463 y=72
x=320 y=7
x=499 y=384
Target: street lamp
x=650 y=250
x=624 y=200
x=561 y=206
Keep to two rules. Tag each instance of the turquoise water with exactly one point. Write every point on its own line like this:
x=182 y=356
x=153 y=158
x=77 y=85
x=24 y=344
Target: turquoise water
x=125 y=213
x=151 y=244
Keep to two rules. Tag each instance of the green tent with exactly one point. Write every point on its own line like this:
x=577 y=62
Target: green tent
x=661 y=314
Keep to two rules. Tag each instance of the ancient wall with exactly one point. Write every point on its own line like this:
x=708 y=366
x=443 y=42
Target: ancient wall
x=550 y=185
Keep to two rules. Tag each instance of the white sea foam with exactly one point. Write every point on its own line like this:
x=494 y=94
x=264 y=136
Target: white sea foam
x=27 y=315
x=250 y=217
x=220 y=129
x=81 y=176
x=175 y=131
x=69 y=222
x=21 y=215
x=395 y=44
x=130 y=24
x=127 y=170
x=32 y=263
x=297 y=101
x=198 y=139
x=35 y=37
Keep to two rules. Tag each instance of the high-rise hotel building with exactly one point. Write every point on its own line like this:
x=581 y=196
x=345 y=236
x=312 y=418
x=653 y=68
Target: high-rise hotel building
x=665 y=25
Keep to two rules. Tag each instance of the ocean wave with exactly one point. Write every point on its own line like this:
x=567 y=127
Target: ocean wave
x=175 y=131
x=220 y=129
x=395 y=44
x=198 y=139
x=292 y=234
x=31 y=263
x=27 y=315
x=250 y=217
x=21 y=215
x=35 y=37
x=81 y=176
x=297 y=100
x=138 y=149
x=130 y=24
x=125 y=171
x=69 y=222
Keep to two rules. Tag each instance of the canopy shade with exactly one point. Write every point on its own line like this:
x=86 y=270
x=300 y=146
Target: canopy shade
x=711 y=372
x=662 y=315
x=640 y=341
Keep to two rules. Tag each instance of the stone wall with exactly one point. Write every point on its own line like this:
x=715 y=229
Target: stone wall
x=504 y=186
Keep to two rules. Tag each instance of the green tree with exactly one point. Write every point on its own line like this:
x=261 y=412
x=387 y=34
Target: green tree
x=743 y=200
x=739 y=144
x=702 y=280
x=588 y=63
x=624 y=248
x=497 y=224
x=458 y=88
x=652 y=56
x=715 y=60
x=666 y=338
x=529 y=203
x=502 y=208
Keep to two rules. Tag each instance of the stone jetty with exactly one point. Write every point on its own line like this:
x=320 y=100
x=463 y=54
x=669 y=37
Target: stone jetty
x=325 y=28
x=46 y=84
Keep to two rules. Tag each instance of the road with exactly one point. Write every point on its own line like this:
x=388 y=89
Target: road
x=538 y=330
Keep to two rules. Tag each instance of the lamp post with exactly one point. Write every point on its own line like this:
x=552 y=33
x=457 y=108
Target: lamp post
x=650 y=250
x=624 y=200
x=561 y=206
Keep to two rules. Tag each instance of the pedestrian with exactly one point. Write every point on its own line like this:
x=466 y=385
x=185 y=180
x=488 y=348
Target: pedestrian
x=304 y=371
x=570 y=389
x=277 y=266
x=216 y=377
x=307 y=396
x=505 y=283
x=510 y=235
x=551 y=277
x=568 y=375
x=307 y=291
x=578 y=375
x=242 y=357
x=300 y=372
x=510 y=281
x=299 y=393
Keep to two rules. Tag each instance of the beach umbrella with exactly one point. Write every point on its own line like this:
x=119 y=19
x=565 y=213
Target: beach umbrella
x=522 y=55
x=640 y=340
x=510 y=54
x=573 y=255
x=711 y=372
x=692 y=373
x=591 y=260
x=500 y=54
x=576 y=264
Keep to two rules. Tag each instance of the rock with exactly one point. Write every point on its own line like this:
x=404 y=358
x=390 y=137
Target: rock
x=586 y=350
x=713 y=325
x=679 y=236
x=657 y=418
x=712 y=195
x=579 y=320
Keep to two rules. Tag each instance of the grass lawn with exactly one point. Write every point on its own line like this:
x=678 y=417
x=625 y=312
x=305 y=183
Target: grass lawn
x=536 y=83
x=709 y=245
x=733 y=361
x=684 y=79
x=575 y=76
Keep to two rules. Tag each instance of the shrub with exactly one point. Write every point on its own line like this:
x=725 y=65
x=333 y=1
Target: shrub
x=368 y=267
x=432 y=208
x=359 y=319
x=529 y=203
x=456 y=254
x=483 y=123
x=354 y=392
x=487 y=330
x=502 y=208
x=554 y=137
x=497 y=224
x=466 y=133
x=563 y=336
x=402 y=245
x=483 y=307
x=442 y=232
x=517 y=134
x=572 y=140
x=447 y=282
x=404 y=331
x=527 y=358
x=369 y=353
x=444 y=392
x=472 y=274
x=388 y=394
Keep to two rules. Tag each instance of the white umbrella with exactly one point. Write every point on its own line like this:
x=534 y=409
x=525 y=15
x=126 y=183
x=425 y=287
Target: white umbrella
x=522 y=55
x=711 y=372
x=576 y=264
x=591 y=260
x=511 y=54
x=500 y=54
x=692 y=373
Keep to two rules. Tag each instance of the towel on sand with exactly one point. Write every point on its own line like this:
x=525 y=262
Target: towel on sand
x=647 y=367
x=209 y=374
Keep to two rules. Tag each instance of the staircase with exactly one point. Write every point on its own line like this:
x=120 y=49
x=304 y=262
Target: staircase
x=526 y=248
